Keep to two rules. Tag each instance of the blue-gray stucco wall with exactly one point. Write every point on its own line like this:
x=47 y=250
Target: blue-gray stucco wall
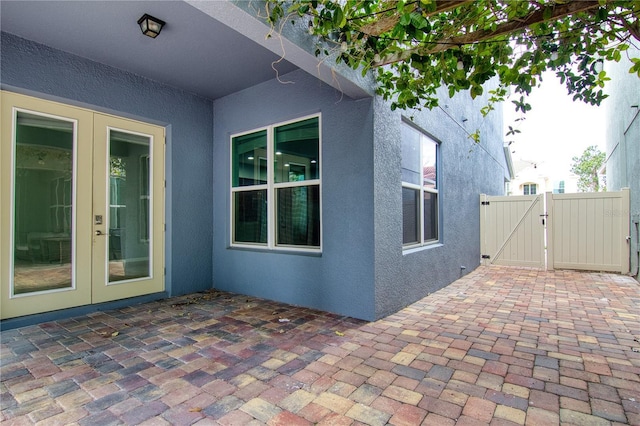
x=465 y=169
x=35 y=69
x=623 y=143
x=363 y=270
x=340 y=280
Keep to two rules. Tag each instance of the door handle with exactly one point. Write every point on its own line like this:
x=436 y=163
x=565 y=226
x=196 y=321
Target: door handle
x=99 y=232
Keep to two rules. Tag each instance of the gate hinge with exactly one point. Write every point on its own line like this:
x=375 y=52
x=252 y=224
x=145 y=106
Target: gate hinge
x=485 y=203
x=486 y=256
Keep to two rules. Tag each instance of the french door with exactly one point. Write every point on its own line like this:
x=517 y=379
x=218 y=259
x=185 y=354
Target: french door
x=81 y=207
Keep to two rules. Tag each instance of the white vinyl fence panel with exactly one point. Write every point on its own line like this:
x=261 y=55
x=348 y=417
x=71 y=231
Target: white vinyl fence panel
x=588 y=231
x=585 y=231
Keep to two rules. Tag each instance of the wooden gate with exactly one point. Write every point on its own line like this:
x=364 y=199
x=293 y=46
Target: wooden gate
x=586 y=231
x=511 y=230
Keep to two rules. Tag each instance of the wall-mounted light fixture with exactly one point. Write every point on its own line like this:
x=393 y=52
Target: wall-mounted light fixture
x=150 y=26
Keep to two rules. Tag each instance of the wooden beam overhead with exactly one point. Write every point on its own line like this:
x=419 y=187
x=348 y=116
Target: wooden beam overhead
x=386 y=23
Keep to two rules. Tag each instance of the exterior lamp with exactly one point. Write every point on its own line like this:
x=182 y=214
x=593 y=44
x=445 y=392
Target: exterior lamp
x=150 y=26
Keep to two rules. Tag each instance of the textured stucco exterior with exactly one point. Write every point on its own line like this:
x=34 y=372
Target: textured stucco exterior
x=623 y=143
x=341 y=278
x=362 y=270
x=466 y=169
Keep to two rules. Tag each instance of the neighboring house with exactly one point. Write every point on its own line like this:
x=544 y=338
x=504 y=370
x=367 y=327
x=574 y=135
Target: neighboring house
x=537 y=178
x=623 y=143
x=135 y=168
x=511 y=174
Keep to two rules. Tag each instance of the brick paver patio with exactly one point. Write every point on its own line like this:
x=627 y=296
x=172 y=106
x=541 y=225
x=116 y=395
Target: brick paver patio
x=500 y=346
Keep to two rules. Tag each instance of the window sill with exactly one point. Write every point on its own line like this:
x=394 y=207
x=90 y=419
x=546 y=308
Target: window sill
x=288 y=251
x=415 y=249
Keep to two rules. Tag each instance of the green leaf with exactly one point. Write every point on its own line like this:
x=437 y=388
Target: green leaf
x=420 y=22
x=636 y=66
x=339 y=19
x=616 y=55
x=476 y=91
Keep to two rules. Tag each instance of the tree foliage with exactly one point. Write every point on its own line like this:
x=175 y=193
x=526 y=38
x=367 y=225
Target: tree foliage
x=587 y=167
x=417 y=46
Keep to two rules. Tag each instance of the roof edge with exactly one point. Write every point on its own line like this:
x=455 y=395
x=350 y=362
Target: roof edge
x=291 y=43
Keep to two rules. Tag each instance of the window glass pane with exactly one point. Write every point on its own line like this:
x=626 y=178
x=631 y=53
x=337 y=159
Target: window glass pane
x=430 y=216
x=297 y=148
x=298 y=216
x=249 y=159
x=43 y=204
x=530 y=189
x=410 y=216
x=410 y=155
x=129 y=216
x=429 y=150
x=250 y=221
x=558 y=187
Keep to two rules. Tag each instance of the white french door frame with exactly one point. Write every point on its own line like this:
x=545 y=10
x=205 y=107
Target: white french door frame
x=89 y=263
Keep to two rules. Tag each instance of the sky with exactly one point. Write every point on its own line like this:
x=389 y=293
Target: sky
x=556 y=128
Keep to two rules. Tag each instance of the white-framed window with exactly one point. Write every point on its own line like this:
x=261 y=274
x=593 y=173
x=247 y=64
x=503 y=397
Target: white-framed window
x=420 y=223
x=530 y=189
x=558 y=187
x=507 y=188
x=275 y=186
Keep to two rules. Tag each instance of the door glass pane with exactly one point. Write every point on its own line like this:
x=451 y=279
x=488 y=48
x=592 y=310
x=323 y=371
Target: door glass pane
x=129 y=218
x=43 y=204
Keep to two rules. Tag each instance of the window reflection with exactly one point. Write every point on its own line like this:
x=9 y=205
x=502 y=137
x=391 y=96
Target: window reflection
x=250 y=159
x=129 y=220
x=43 y=203
x=297 y=151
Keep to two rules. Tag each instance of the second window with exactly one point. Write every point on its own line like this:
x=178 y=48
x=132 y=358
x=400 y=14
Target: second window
x=419 y=188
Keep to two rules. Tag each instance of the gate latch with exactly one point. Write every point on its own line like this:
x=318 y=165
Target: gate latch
x=544 y=216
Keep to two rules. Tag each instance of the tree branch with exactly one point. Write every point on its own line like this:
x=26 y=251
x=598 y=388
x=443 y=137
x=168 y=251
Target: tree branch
x=559 y=11
x=634 y=29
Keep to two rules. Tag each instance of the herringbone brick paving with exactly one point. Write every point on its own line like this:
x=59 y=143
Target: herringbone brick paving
x=501 y=346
